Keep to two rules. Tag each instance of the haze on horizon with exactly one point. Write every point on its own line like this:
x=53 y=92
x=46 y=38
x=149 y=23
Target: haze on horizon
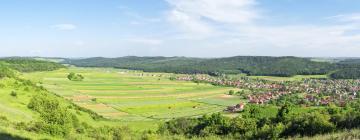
x=194 y=28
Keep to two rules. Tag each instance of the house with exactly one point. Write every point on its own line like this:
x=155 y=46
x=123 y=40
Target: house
x=236 y=108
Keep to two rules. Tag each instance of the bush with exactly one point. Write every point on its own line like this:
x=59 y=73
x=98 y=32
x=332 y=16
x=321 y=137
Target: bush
x=55 y=119
x=13 y=93
x=309 y=124
x=75 y=77
x=180 y=126
x=231 y=92
x=5 y=71
x=242 y=126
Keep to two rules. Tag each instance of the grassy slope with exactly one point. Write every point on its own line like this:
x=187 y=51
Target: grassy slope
x=14 y=110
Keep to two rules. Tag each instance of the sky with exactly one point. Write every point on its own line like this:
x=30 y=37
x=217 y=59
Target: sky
x=192 y=28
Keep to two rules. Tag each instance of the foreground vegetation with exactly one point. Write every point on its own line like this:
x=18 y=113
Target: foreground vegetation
x=288 y=122
x=29 y=111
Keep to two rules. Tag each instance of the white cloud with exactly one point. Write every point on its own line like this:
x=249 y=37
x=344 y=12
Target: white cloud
x=138 y=19
x=354 y=17
x=222 y=11
x=302 y=36
x=233 y=25
x=64 y=27
x=189 y=23
x=202 y=16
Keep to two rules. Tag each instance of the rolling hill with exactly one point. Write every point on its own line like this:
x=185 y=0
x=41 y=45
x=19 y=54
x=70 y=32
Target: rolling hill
x=251 y=65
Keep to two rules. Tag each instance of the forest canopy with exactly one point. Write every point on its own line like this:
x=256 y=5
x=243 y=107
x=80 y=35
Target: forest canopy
x=30 y=64
x=347 y=73
x=250 y=65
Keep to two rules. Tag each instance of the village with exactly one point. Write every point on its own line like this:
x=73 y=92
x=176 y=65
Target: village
x=316 y=92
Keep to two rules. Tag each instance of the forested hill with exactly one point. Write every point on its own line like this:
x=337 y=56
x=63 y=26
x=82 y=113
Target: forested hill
x=29 y=64
x=251 y=65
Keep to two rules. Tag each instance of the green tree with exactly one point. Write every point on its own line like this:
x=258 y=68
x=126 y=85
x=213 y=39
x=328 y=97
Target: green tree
x=309 y=124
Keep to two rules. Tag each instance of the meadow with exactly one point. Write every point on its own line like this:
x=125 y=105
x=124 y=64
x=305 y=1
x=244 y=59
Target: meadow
x=135 y=97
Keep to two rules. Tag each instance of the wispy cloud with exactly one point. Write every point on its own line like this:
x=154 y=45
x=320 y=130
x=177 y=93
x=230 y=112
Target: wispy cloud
x=189 y=23
x=235 y=24
x=64 y=27
x=137 y=19
x=353 y=17
x=145 y=41
x=203 y=15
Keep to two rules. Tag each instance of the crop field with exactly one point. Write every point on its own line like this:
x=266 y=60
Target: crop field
x=134 y=95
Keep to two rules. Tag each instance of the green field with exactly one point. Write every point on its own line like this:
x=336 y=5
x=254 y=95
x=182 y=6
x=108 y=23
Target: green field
x=134 y=96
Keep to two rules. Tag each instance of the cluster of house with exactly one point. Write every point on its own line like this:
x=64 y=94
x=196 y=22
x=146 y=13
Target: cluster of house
x=317 y=91
x=265 y=97
x=324 y=92
x=244 y=83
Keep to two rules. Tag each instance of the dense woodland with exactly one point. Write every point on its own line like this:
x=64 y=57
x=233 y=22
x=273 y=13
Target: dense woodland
x=250 y=65
x=29 y=64
x=346 y=73
x=5 y=71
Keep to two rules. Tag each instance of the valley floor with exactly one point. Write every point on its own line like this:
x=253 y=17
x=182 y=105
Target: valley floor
x=140 y=100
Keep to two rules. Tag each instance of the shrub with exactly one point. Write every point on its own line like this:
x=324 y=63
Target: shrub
x=55 y=119
x=94 y=99
x=309 y=124
x=178 y=126
x=75 y=77
x=231 y=92
x=5 y=71
x=13 y=93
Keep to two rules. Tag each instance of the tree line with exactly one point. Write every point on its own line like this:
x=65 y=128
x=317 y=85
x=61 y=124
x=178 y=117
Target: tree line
x=251 y=65
x=29 y=64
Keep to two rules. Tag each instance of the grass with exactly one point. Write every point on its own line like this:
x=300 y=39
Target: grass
x=14 y=109
x=134 y=97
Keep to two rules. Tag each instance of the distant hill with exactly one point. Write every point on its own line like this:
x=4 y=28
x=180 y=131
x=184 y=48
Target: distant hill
x=29 y=64
x=251 y=65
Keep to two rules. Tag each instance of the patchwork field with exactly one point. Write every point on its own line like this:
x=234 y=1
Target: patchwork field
x=135 y=96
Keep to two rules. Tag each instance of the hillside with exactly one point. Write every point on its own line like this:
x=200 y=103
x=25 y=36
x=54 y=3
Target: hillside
x=29 y=111
x=251 y=65
x=29 y=64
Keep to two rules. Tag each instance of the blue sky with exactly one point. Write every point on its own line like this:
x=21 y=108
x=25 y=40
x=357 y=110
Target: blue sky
x=196 y=28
